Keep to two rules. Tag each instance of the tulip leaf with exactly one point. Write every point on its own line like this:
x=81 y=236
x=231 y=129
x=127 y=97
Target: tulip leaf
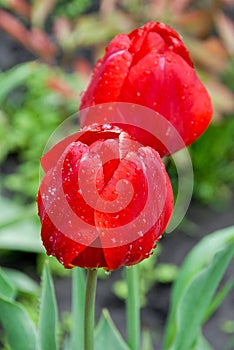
x=19 y=328
x=48 y=315
x=6 y=287
x=147 y=343
x=22 y=235
x=15 y=76
x=107 y=336
x=78 y=302
x=202 y=344
x=18 y=227
x=217 y=301
x=195 y=287
x=21 y=282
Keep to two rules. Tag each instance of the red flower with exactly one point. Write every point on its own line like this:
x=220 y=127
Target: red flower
x=104 y=201
x=151 y=67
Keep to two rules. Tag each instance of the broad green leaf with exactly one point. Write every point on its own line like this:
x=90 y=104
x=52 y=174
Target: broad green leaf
x=22 y=235
x=78 y=302
x=48 y=316
x=21 y=282
x=18 y=327
x=10 y=212
x=14 y=77
x=6 y=287
x=195 y=287
x=107 y=336
x=19 y=229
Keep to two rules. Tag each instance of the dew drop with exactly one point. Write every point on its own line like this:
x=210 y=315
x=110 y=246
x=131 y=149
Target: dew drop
x=106 y=126
x=169 y=59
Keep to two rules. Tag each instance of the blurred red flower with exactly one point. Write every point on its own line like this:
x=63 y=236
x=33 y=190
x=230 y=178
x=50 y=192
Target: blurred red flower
x=151 y=67
x=104 y=201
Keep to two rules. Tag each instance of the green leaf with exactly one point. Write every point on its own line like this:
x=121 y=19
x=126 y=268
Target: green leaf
x=19 y=328
x=107 y=336
x=13 y=212
x=23 y=235
x=19 y=229
x=78 y=302
x=147 y=341
x=14 y=77
x=48 y=317
x=6 y=287
x=221 y=295
x=195 y=287
x=202 y=344
x=21 y=282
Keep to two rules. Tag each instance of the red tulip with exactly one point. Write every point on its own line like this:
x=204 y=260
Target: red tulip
x=151 y=67
x=104 y=201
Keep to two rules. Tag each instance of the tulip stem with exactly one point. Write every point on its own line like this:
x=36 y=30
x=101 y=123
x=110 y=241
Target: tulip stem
x=89 y=309
x=133 y=308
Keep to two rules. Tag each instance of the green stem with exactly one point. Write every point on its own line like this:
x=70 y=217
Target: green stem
x=133 y=308
x=89 y=309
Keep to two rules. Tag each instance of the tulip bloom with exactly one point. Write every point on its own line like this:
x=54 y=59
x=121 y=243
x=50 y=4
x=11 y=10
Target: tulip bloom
x=151 y=67
x=104 y=201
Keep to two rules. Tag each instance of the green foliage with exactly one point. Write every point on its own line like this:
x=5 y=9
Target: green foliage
x=19 y=228
x=71 y=9
x=151 y=272
x=107 y=335
x=78 y=302
x=29 y=113
x=18 y=326
x=48 y=314
x=21 y=282
x=193 y=301
x=195 y=287
x=213 y=166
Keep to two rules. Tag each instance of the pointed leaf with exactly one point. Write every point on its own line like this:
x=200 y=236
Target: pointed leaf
x=19 y=328
x=219 y=299
x=21 y=282
x=202 y=344
x=107 y=336
x=78 y=302
x=6 y=287
x=195 y=287
x=48 y=316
